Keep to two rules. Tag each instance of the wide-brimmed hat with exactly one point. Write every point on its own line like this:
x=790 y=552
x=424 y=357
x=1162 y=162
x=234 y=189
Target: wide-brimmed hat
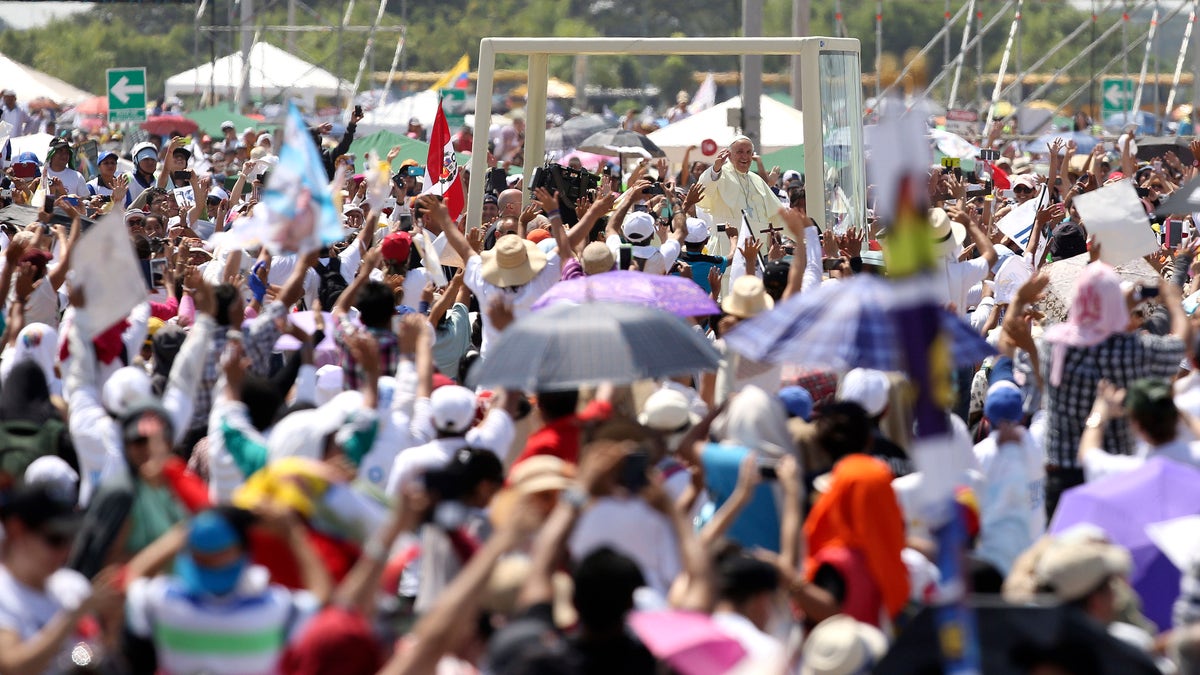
x=949 y=233
x=1072 y=570
x=597 y=258
x=539 y=473
x=840 y=645
x=512 y=262
x=747 y=297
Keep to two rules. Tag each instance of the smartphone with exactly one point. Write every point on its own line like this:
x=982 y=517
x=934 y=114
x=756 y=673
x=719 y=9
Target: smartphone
x=184 y=176
x=830 y=264
x=415 y=171
x=1141 y=293
x=633 y=471
x=722 y=227
x=104 y=199
x=655 y=188
x=261 y=178
x=626 y=256
x=157 y=267
x=767 y=471
x=48 y=205
x=358 y=111
x=989 y=155
x=24 y=170
x=1173 y=232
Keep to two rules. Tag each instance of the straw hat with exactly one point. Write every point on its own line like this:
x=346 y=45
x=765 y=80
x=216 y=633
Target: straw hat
x=540 y=473
x=841 y=645
x=944 y=227
x=747 y=297
x=505 y=584
x=597 y=258
x=512 y=262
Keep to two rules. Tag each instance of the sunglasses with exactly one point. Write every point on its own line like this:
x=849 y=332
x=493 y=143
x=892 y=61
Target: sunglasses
x=1022 y=188
x=135 y=222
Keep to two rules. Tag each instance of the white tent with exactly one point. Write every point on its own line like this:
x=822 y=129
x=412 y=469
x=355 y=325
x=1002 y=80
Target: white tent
x=273 y=72
x=30 y=84
x=782 y=127
x=394 y=116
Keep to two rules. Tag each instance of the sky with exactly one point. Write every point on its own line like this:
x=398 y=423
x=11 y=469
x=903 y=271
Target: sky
x=33 y=14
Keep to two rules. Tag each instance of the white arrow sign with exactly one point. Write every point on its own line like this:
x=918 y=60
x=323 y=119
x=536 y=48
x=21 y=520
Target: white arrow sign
x=1116 y=95
x=122 y=89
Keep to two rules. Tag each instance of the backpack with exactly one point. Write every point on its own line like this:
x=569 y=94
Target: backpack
x=22 y=441
x=332 y=282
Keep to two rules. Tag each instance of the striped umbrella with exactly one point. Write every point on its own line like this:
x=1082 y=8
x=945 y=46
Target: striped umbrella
x=569 y=346
x=841 y=326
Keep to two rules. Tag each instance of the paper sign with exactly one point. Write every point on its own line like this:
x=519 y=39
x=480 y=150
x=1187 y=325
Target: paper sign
x=185 y=196
x=1013 y=273
x=105 y=264
x=430 y=259
x=1017 y=224
x=1115 y=216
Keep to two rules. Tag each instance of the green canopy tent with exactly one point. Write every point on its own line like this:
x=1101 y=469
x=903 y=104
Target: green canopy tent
x=785 y=158
x=210 y=119
x=383 y=141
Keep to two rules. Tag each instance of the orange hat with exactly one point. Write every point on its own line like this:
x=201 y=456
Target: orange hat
x=537 y=235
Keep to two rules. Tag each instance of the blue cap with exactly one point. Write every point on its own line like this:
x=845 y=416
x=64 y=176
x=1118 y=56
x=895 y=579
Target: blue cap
x=797 y=401
x=1003 y=403
x=210 y=532
x=105 y=155
x=27 y=157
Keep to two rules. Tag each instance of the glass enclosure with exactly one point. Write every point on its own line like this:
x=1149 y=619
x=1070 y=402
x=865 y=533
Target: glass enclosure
x=842 y=172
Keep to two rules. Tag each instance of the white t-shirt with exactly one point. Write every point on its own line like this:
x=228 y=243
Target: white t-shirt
x=522 y=298
x=495 y=433
x=1011 y=498
x=71 y=179
x=1099 y=464
x=26 y=610
x=633 y=528
x=764 y=653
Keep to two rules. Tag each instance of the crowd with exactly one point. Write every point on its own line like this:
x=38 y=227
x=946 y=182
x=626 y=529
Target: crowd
x=289 y=461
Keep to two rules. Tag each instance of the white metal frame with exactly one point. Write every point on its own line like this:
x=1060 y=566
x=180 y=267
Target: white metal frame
x=539 y=51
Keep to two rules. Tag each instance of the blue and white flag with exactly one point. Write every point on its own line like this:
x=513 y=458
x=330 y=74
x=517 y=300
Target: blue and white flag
x=297 y=195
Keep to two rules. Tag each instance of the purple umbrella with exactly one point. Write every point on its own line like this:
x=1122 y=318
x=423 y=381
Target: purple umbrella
x=1123 y=505
x=677 y=295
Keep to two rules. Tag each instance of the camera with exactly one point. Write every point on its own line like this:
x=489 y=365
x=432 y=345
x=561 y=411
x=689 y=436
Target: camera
x=571 y=185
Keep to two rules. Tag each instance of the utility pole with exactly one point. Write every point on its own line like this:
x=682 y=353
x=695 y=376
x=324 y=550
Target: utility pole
x=289 y=40
x=752 y=22
x=580 y=81
x=243 y=96
x=801 y=15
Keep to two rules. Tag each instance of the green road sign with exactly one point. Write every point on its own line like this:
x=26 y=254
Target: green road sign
x=453 y=102
x=1116 y=96
x=126 y=94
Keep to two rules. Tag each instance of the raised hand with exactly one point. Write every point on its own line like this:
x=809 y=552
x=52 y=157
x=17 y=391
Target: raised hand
x=547 y=200
x=719 y=162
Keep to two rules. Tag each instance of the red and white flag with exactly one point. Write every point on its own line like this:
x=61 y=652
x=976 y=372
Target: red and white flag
x=441 y=170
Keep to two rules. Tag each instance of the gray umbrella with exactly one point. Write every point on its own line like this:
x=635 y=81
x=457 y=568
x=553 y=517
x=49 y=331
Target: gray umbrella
x=573 y=132
x=568 y=346
x=616 y=142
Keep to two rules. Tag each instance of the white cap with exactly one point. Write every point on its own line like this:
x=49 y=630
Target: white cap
x=697 y=231
x=145 y=150
x=218 y=191
x=453 y=409
x=123 y=388
x=263 y=137
x=227 y=124
x=53 y=471
x=638 y=227
x=667 y=410
x=866 y=387
x=790 y=175
x=329 y=383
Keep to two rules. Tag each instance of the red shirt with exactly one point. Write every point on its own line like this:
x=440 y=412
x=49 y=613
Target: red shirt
x=560 y=437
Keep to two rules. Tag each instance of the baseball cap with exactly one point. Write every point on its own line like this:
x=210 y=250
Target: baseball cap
x=866 y=387
x=210 y=532
x=797 y=401
x=43 y=507
x=396 y=246
x=1072 y=570
x=453 y=409
x=182 y=150
x=132 y=429
x=28 y=157
x=667 y=410
x=227 y=124
x=638 y=227
x=697 y=231
x=1003 y=402
x=8 y=92
x=108 y=154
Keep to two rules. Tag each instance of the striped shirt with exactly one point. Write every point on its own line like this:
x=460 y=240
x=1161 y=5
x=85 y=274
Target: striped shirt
x=243 y=634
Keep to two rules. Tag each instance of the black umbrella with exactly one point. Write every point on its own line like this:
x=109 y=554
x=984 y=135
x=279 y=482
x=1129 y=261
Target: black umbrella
x=1156 y=147
x=617 y=142
x=573 y=132
x=1016 y=638
x=568 y=346
x=1184 y=200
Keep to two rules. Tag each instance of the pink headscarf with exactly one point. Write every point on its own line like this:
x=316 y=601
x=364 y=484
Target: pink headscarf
x=1098 y=310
